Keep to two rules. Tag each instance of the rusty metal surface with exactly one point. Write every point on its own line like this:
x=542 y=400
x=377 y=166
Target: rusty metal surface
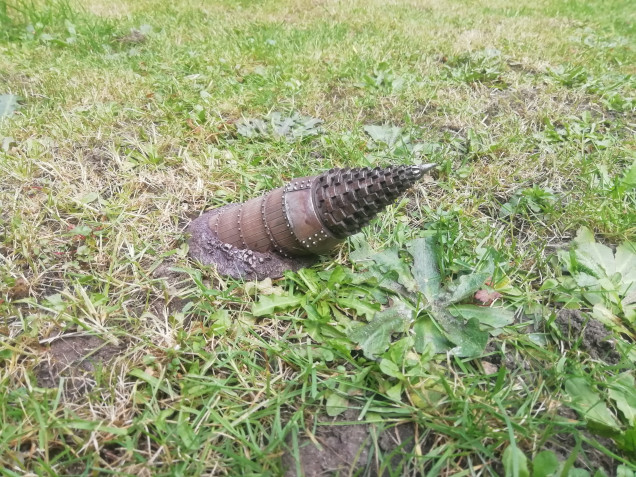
x=305 y=224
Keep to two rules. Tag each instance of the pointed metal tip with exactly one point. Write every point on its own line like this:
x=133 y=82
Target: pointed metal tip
x=422 y=169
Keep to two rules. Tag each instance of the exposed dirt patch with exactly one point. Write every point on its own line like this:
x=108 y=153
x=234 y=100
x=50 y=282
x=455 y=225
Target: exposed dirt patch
x=495 y=356
x=591 y=335
x=19 y=290
x=522 y=102
x=48 y=283
x=348 y=449
x=74 y=359
x=98 y=158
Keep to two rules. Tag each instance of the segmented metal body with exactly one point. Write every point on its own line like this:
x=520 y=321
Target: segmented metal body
x=311 y=215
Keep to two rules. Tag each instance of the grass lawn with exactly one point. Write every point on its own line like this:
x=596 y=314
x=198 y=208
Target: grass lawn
x=485 y=324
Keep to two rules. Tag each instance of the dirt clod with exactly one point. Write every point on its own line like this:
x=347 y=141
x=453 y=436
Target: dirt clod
x=594 y=339
x=74 y=359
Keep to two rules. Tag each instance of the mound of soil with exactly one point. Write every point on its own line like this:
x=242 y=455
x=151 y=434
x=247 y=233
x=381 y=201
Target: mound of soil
x=348 y=449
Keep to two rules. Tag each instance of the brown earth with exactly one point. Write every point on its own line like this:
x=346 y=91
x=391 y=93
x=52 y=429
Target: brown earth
x=593 y=338
x=74 y=359
x=349 y=449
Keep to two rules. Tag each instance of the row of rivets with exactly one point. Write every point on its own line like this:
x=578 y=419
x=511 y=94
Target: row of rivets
x=240 y=216
x=293 y=186
x=269 y=232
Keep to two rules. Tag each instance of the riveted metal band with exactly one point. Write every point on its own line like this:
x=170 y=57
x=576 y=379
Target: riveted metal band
x=274 y=219
x=289 y=199
x=300 y=183
x=254 y=233
x=306 y=224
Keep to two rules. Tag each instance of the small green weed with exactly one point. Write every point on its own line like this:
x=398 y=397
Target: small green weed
x=276 y=125
x=535 y=202
x=569 y=76
x=8 y=104
x=589 y=134
x=599 y=278
x=485 y=66
x=383 y=79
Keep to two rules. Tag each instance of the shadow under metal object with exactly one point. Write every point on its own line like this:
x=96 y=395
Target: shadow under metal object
x=288 y=227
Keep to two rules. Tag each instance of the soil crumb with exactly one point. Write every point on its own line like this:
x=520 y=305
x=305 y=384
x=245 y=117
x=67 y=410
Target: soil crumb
x=594 y=339
x=237 y=263
x=348 y=449
x=74 y=359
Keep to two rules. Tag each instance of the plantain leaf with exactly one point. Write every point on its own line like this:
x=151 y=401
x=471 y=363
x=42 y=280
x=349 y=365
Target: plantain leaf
x=425 y=266
x=388 y=135
x=222 y=321
x=429 y=337
x=386 y=262
x=374 y=338
x=624 y=471
x=628 y=181
x=515 y=462
x=267 y=304
x=276 y=125
x=589 y=404
x=467 y=337
x=623 y=392
x=462 y=288
x=336 y=404
x=593 y=256
x=464 y=337
x=362 y=307
x=545 y=464
x=494 y=317
x=626 y=263
x=606 y=280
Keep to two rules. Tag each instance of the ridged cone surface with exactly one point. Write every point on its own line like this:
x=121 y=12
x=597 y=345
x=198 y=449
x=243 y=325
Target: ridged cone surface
x=347 y=199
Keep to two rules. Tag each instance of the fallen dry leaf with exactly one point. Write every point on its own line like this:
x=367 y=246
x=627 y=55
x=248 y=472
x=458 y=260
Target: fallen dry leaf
x=487 y=297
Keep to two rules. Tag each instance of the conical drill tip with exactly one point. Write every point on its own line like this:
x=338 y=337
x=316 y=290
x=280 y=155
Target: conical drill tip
x=347 y=199
x=418 y=171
